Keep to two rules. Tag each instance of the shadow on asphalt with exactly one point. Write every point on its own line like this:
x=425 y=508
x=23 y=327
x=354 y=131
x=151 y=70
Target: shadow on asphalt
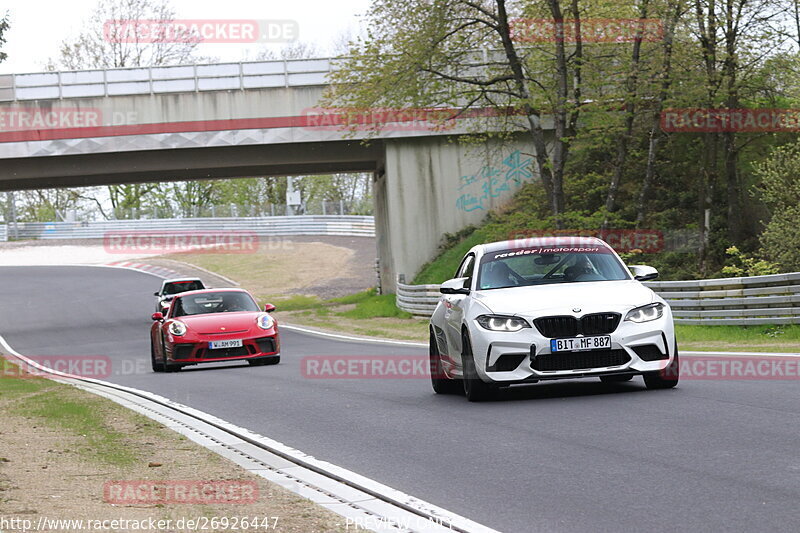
x=567 y=389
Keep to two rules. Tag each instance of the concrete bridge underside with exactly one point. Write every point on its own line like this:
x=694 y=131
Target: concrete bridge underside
x=189 y=163
x=426 y=184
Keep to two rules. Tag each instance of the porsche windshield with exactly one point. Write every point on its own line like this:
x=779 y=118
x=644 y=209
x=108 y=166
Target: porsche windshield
x=547 y=265
x=213 y=302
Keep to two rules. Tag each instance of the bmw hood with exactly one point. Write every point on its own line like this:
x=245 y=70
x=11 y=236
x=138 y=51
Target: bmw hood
x=565 y=298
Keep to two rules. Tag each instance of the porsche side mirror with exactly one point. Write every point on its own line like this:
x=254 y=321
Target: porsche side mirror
x=643 y=272
x=455 y=286
x=156 y=293
x=157 y=316
x=269 y=308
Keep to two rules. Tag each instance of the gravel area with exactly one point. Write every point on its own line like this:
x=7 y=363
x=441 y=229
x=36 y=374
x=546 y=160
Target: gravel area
x=358 y=275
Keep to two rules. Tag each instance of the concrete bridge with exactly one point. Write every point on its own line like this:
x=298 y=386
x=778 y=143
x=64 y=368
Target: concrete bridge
x=97 y=127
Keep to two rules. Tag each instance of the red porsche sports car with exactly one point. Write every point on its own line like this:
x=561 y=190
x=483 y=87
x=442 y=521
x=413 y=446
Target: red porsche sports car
x=213 y=325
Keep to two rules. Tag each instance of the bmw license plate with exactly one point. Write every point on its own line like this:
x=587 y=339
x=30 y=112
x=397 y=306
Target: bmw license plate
x=580 y=343
x=228 y=343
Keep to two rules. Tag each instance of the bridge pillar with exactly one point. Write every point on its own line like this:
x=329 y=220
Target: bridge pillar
x=436 y=185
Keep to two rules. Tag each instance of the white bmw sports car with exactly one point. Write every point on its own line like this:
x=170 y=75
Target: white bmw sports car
x=549 y=308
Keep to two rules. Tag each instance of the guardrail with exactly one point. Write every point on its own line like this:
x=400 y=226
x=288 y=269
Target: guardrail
x=773 y=299
x=3 y=232
x=168 y=79
x=345 y=225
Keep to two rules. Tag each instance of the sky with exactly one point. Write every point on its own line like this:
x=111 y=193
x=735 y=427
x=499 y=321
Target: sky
x=38 y=26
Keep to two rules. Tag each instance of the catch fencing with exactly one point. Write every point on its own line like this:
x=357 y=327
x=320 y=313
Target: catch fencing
x=756 y=300
x=347 y=225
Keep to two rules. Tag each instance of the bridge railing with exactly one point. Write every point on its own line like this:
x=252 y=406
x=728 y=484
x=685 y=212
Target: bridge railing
x=167 y=79
x=347 y=225
x=773 y=299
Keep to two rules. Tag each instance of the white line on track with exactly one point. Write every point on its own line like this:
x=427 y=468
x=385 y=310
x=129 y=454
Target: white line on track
x=380 y=507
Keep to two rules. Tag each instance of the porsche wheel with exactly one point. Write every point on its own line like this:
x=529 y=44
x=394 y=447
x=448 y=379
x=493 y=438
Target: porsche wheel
x=157 y=367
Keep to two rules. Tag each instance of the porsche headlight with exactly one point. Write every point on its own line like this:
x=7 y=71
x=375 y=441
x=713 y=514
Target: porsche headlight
x=177 y=328
x=265 y=321
x=645 y=313
x=502 y=323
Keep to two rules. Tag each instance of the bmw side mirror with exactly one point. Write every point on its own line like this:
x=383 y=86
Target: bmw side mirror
x=156 y=294
x=643 y=272
x=157 y=316
x=455 y=286
x=269 y=308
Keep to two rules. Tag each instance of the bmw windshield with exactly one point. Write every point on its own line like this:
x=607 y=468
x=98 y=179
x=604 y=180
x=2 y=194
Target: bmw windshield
x=544 y=265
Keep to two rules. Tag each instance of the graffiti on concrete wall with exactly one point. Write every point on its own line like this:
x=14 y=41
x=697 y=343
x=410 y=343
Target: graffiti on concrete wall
x=491 y=181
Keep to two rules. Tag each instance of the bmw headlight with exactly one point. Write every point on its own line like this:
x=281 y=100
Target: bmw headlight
x=177 y=328
x=165 y=303
x=502 y=323
x=265 y=321
x=645 y=313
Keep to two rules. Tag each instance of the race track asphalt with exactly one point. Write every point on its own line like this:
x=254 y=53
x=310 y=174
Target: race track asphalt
x=571 y=456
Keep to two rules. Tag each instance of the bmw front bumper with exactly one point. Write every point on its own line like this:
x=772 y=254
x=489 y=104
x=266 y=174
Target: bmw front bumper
x=525 y=355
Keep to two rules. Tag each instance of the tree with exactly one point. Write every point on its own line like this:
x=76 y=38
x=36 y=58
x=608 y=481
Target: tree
x=780 y=191
x=4 y=25
x=129 y=196
x=105 y=41
x=464 y=54
x=733 y=36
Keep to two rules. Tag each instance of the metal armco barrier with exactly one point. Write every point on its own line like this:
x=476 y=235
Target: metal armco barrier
x=773 y=299
x=346 y=225
x=3 y=232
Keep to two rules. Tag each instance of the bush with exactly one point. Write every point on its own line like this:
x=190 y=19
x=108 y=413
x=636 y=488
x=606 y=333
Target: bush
x=741 y=265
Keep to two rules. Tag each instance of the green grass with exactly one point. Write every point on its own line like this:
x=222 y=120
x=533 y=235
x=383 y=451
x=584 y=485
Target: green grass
x=368 y=304
x=767 y=338
x=295 y=302
x=64 y=407
x=376 y=305
x=444 y=266
x=356 y=298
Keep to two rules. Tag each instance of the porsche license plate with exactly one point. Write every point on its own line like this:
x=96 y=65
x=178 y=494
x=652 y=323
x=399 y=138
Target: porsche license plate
x=228 y=343
x=580 y=343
